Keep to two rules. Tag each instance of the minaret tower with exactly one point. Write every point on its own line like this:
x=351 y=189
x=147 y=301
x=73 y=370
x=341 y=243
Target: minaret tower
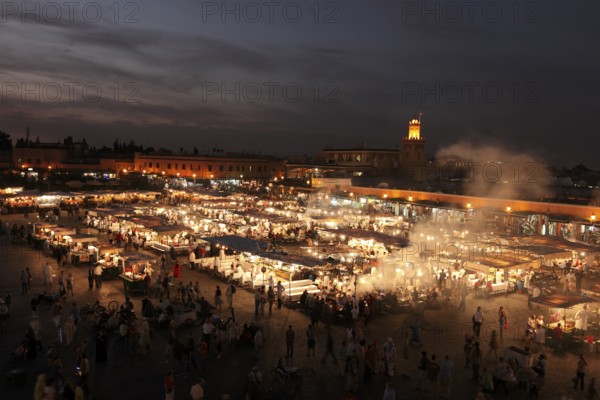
x=413 y=151
x=413 y=146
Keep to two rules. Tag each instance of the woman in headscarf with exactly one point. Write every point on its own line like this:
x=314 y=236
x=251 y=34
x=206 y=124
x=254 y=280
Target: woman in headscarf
x=389 y=356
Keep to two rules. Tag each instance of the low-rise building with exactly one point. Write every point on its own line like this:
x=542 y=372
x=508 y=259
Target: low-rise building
x=230 y=166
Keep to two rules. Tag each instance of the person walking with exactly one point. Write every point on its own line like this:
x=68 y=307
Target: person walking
x=229 y=294
x=502 y=321
x=389 y=355
x=69 y=329
x=446 y=372
x=581 y=320
x=257 y=300
x=169 y=386
x=433 y=371
x=540 y=367
x=389 y=393
x=310 y=340
x=342 y=355
x=56 y=313
x=580 y=372
x=197 y=391
x=84 y=370
x=29 y=279
x=476 y=356
x=289 y=342
x=262 y=301
x=202 y=354
x=369 y=360
x=422 y=367
x=592 y=392
x=91 y=278
x=47 y=274
x=539 y=338
x=463 y=297
x=279 y=289
x=98 y=276
x=101 y=347
x=477 y=321
x=494 y=345
x=208 y=329
x=329 y=349
x=70 y=282
x=24 y=282
x=258 y=343
x=253 y=381
x=270 y=298
x=218 y=299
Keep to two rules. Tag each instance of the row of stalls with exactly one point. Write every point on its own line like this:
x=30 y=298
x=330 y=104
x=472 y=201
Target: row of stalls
x=76 y=248
x=19 y=201
x=247 y=262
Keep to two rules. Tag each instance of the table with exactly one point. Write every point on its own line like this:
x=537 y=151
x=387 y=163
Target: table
x=133 y=286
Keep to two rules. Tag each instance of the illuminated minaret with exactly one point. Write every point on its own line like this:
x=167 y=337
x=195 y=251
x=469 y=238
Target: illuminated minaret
x=413 y=146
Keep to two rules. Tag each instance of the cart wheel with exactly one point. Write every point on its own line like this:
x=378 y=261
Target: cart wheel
x=113 y=306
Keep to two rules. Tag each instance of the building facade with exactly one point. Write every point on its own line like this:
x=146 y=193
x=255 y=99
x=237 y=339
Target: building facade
x=210 y=167
x=361 y=159
x=410 y=156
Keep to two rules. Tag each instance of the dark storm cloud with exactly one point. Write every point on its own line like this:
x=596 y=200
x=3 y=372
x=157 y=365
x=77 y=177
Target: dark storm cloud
x=367 y=62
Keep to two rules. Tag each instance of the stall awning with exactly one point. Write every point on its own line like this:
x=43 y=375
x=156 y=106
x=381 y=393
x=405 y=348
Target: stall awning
x=388 y=240
x=293 y=259
x=170 y=229
x=83 y=238
x=238 y=243
x=558 y=300
x=138 y=257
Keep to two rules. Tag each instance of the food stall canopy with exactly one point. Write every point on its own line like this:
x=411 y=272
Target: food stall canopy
x=83 y=238
x=293 y=259
x=58 y=194
x=550 y=241
x=140 y=191
x=112 y=212
x=274 y=218
x=138 y=257
x=145 y=221
x=170 y=229
x=27 y=193
x=237 y=243
x=558 y=300
x=388 y=240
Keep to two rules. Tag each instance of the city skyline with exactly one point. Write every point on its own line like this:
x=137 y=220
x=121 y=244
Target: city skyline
x=335 y=74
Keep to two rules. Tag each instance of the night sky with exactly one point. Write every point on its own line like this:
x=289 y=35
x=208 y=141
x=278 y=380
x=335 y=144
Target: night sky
x=522 y=75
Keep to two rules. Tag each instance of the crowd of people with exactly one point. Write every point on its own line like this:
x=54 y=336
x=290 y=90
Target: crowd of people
x=214 y=333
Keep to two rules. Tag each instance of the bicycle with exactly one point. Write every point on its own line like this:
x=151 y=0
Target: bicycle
x=288 y=377
x=291 y=377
